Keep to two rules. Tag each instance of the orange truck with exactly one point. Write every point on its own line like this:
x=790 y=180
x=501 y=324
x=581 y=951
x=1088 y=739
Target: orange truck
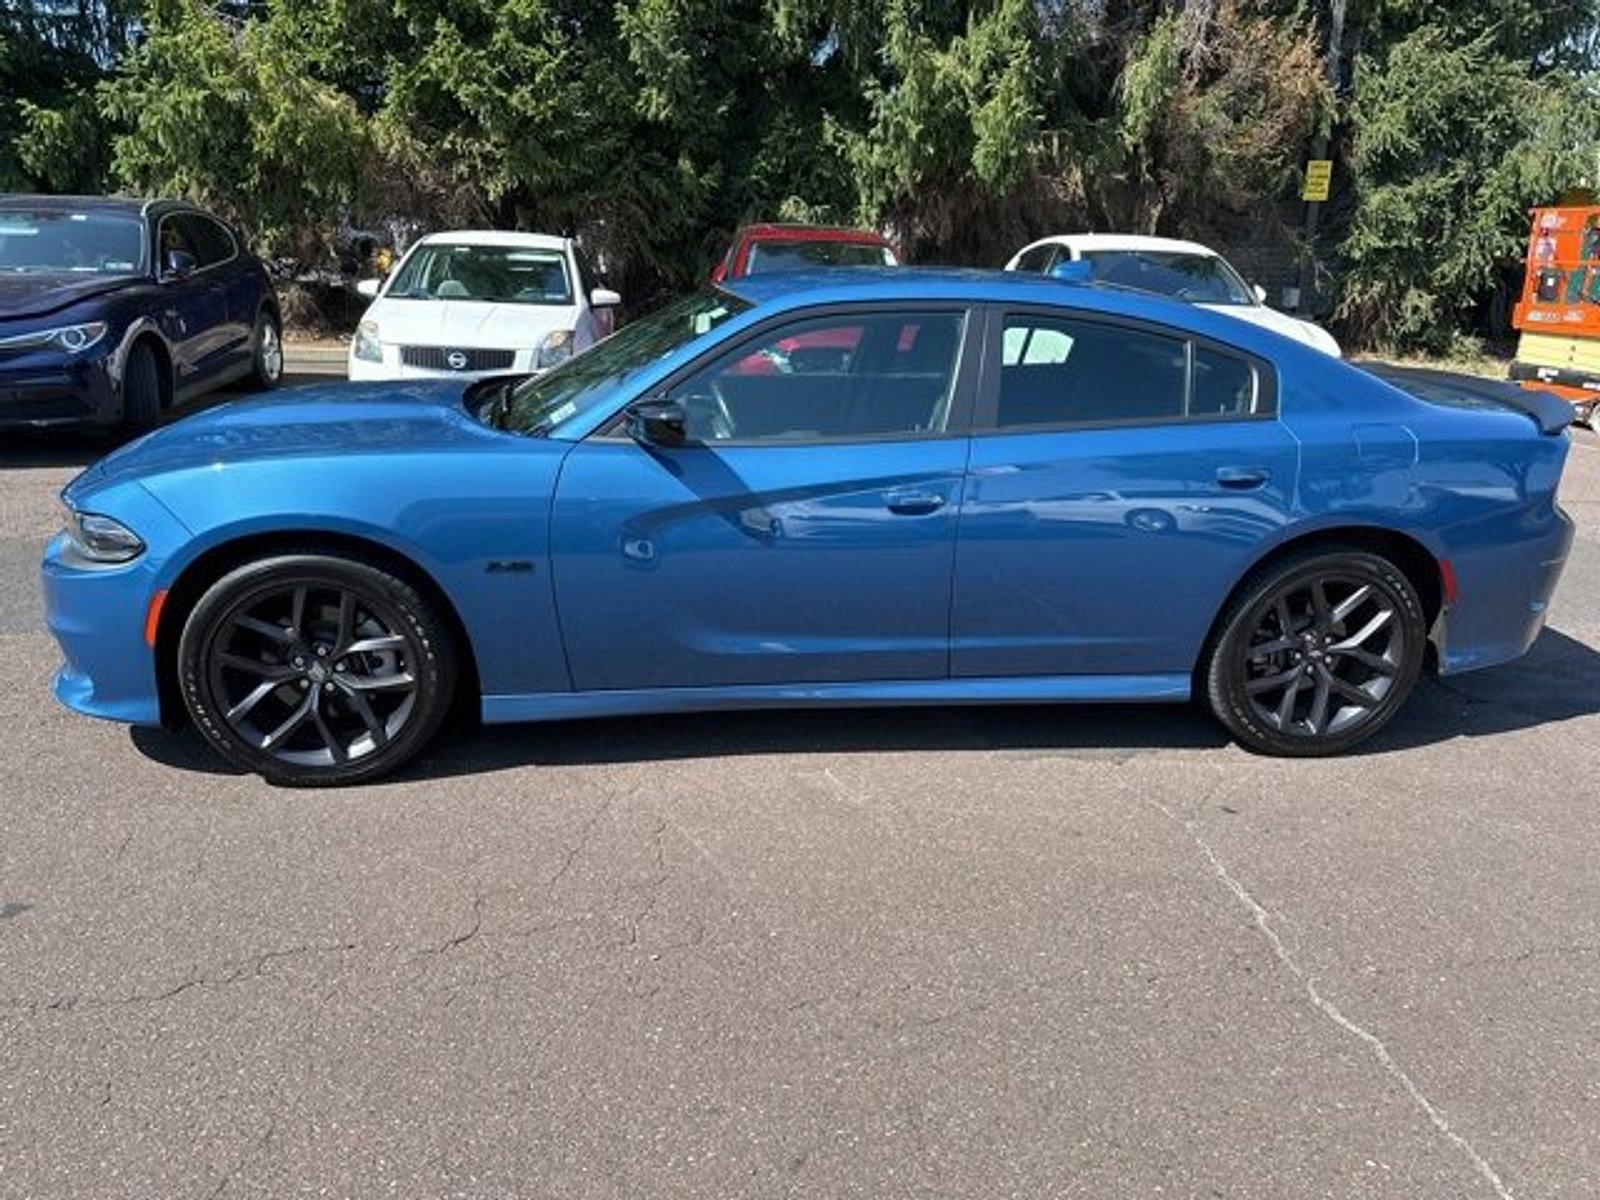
x=1558 y=314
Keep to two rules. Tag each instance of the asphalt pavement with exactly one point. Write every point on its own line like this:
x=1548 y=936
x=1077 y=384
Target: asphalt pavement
x=1051 y=952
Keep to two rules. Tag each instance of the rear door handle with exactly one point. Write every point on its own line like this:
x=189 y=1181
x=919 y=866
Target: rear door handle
x=1243 y=478
x=914 y=504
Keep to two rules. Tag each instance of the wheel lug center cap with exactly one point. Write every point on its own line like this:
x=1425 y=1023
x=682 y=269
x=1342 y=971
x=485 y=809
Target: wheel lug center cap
x=317 y=672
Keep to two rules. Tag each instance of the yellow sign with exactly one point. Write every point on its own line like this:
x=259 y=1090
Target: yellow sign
x=1319 y=177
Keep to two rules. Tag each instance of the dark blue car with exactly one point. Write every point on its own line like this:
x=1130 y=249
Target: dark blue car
x=837 y=489
x=113 y=310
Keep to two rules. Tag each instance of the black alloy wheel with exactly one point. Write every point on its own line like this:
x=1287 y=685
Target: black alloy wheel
x=1319 y=654
x=315 y=670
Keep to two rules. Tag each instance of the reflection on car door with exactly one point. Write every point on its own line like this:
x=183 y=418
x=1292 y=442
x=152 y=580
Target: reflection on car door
x=805 y=535
x=1121 y=480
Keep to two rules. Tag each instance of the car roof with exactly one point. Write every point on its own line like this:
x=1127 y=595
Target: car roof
x=782 y=290
x=132 y=206
x=780 y=232
x=498 y=237
x=1124 y=241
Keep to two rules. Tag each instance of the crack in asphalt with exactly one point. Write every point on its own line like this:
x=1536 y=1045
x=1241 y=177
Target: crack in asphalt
x=1380 y=1051
x=252 y=968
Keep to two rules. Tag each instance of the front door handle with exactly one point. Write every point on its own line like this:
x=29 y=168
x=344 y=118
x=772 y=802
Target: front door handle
x=914 y=504
x=1243 y=478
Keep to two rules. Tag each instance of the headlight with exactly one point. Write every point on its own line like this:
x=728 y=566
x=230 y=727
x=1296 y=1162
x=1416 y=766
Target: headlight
x=366 y=346
x=556 y=348
x=102 y=539
x=74 y=339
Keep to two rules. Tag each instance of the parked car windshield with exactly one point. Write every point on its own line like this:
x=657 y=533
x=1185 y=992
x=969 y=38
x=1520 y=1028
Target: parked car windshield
x=766 y=257
x=493 y=274
x=59 y=240
x=1197 y=278
x=545 y=402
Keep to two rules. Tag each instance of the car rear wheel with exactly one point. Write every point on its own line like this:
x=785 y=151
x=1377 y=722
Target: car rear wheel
x=267 y=345
x=141 y=388
x=314 y=670
x=1317 y=654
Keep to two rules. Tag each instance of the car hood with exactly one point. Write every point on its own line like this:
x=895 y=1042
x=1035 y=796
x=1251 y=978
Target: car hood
x=317 y=421
x=1304 y=332
x=37 y=294
x=468 y=324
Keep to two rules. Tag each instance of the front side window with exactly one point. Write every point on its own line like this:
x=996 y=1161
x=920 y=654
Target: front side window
x=543 y=403
x=1063 y=371
x=869 y=375
x=493 y=274
x=1039 y=260
x=209 y=242
x=63 y=240
x=766 y=257
x=1196 y=278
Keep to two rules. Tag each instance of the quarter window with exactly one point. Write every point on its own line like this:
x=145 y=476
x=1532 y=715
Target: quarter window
x=1039 y=260
x=1056 y=372
x=863 y=376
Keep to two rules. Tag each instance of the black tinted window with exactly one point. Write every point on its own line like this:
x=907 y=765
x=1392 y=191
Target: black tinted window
x=1038 y=260
x=1065 y=372
x=867 y=376
x=1223 y=385
x=208 y=241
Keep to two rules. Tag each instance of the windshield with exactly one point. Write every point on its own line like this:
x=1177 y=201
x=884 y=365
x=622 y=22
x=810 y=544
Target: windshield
x=493 y=274
x=63 y=240
x=544 y=402
x=766 y=257
x=1197 y=278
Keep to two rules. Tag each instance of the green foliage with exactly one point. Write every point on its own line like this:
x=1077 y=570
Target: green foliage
x=962 y=127
x=1454 y=143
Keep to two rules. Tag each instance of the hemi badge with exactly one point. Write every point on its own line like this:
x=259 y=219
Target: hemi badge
x=509 y=566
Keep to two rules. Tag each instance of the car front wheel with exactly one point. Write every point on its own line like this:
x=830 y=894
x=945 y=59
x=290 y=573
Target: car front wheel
x=311 y=669
x=1317 y=653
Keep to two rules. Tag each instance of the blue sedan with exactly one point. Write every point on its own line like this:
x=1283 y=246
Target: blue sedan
x=114 y=310
x=816 y=489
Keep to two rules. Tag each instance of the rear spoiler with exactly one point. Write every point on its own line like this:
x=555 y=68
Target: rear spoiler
x=1550 y=413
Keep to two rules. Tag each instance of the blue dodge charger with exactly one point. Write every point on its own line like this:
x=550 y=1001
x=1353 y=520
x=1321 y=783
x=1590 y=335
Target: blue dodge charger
x=816 y=489
x=113 y=310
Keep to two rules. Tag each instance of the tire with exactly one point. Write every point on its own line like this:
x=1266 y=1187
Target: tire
x=1294 y=676
x=266 y=346
x=141 y=389
x=316 y=670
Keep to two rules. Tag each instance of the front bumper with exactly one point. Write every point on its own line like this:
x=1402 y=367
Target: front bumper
x=43 y=389
x=96 y=613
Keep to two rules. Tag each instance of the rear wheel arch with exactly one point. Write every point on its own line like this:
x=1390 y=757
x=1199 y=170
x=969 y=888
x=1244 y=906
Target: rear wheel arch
x=192 y=582
x=1416 y=562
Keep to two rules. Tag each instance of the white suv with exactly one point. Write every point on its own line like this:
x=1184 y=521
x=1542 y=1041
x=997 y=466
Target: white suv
x=477 y=303
x=1185 y=270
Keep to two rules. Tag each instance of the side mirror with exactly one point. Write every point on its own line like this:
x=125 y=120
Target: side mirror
x=177 y=264
x=1260 y=293
x=369 y=287
x=658 y=423
x=604 y=298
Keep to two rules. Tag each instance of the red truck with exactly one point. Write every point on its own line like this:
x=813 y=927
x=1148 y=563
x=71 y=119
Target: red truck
x=758 y=249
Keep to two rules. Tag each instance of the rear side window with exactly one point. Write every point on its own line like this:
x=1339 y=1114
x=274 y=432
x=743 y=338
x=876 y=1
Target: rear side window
x=1062 y=372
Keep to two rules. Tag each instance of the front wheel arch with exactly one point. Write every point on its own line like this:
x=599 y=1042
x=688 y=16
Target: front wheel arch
x=193 y=581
